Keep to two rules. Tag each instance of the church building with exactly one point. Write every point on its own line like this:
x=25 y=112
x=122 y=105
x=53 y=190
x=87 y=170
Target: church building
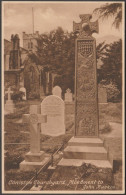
x=20 y=71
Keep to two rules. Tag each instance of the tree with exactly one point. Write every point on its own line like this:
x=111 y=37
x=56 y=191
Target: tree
x=100 y=50
x=111 y=69
x=110 y=9
x=55 y=52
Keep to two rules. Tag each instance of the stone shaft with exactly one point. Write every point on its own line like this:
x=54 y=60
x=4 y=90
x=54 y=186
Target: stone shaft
x=86 y=100
x=35 y=119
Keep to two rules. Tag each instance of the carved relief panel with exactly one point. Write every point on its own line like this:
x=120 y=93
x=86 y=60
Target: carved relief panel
x=86 y=89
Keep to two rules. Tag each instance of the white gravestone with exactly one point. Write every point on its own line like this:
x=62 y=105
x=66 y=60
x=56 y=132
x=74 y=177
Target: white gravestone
x=57 y=91
x=24 y=91
x=53 y=106
x=9 y=106
x=68 y=96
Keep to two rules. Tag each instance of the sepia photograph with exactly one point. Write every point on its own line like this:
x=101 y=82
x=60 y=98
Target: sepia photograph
x=62 y=73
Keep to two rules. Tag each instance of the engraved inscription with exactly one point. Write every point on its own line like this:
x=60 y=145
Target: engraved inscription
x=52 y=110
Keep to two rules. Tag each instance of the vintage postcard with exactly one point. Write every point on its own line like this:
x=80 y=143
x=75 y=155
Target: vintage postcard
x=63 y=97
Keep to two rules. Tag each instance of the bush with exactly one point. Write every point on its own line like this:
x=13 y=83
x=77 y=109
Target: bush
x=112 y=92
x=17 y=95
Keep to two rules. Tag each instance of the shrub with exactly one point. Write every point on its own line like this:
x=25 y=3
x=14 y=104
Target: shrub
x=17 y=95
x=112 y=92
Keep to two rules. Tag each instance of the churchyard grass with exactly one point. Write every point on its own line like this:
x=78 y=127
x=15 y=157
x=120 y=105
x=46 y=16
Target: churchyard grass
x=19 y=133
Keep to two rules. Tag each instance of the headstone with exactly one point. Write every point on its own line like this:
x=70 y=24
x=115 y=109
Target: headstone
x=53 y=107
x=9 y=105
x=68 y=96
x=35 y=158
x=102 y=95
x=57 y=91
x=24 y=91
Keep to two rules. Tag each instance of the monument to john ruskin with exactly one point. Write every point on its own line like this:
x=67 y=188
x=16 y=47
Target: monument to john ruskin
x=85 y=146
x=86 y=107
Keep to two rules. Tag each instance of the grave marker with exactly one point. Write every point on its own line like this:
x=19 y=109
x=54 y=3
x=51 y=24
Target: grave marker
x=9 y=105
x=24 y=91
x=35 y=158
x=53 y=107
x=57 y=91
x=68 y=96
x=9 y=92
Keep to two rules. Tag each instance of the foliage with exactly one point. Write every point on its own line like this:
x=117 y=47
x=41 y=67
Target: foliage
x=111 y=69
x=112 y=92
x=111 y=9
x=55 y=52
x=100 y=50
x=17 y=95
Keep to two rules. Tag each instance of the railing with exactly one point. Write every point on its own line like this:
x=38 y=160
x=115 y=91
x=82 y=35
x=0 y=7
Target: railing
x=49 y=162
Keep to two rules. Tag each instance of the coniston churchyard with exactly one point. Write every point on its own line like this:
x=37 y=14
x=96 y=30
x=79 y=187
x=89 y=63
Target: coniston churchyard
x=62 y=119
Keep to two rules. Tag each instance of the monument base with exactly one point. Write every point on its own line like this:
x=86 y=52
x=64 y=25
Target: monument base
x=34 y=157
x=9 y=107
x=34 y=161
x=85 y=150
x=32 y=166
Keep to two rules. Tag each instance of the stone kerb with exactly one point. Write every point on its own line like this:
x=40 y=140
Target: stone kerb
x=54 y=107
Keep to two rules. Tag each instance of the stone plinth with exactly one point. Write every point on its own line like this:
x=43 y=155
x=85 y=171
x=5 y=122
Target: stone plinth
x=9 y=107
x=28 y=166
x=85 y=150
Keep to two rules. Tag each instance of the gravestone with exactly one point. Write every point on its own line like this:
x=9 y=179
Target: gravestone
x=9 y=105
x=22 y=89
x=53 y=107
x=85 y=146
x=57 y=91
x=68 y=96
x=102 y=95
x=35 y=158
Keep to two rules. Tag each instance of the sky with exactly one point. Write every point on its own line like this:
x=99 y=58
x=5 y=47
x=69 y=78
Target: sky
x=17 y=17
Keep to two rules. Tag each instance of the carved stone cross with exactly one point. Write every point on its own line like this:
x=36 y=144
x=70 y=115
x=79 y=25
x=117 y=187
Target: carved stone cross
x=35 y=118
x=9 y=92
x=86 y=102
x=85 y=26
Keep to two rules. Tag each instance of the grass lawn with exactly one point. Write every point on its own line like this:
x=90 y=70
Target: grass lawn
x=19 y=133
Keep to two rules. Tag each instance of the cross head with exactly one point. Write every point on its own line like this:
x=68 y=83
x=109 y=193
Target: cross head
x=35 y=118
x=85 y=25
x=9 y=92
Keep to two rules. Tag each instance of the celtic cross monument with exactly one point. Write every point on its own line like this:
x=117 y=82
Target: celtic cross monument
x=86 y=102
x=85 y=146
